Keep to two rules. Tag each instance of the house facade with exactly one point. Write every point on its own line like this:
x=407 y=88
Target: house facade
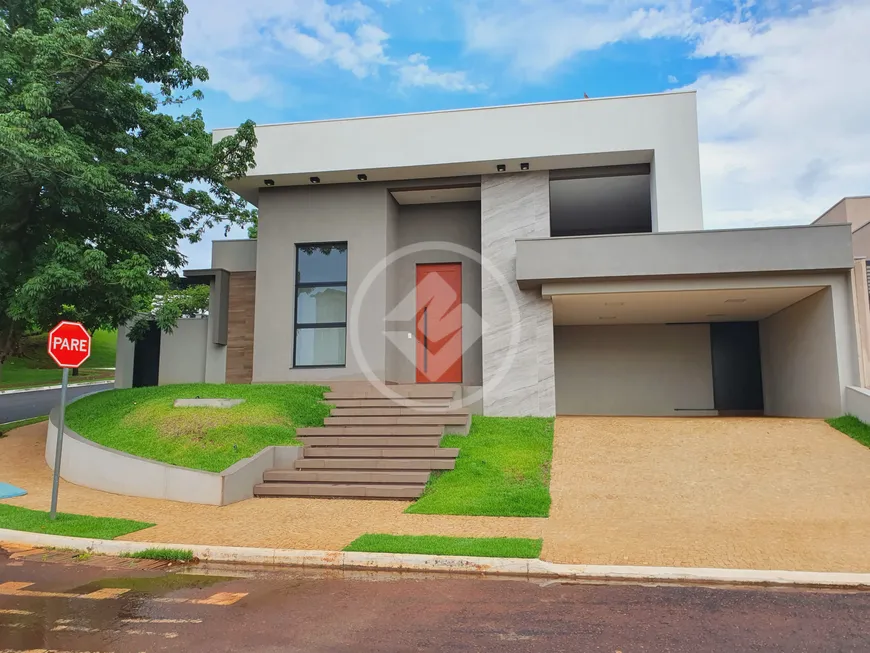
x=547 y=258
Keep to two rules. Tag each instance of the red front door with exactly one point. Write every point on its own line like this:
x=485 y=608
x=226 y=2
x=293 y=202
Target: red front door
x=439 y=323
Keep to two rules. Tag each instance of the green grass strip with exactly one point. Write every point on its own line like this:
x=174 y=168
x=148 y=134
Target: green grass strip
x=8 y=426
x=490 y=547
x=503 y=470
x=174 y=555
x=853 y=427
x=37 y=521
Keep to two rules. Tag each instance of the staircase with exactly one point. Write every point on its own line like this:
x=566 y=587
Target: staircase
x=371 y=446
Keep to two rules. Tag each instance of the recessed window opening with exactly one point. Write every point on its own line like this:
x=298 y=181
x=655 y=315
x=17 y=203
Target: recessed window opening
x=321 y=305
x=600 y=205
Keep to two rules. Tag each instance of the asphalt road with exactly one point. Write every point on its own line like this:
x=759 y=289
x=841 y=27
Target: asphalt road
x=35 y=403
x=46 y=607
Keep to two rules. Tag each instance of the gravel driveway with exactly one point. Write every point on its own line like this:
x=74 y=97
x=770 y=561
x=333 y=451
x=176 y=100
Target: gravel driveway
x=760 y=493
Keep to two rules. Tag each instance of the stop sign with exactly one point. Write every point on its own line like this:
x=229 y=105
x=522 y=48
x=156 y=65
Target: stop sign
x=69 y=344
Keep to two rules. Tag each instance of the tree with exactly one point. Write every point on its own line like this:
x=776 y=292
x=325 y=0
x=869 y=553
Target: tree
x=93 y=166
x=169 y=306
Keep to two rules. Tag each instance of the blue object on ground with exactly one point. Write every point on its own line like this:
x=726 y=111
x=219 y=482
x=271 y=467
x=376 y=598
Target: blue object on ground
x=8 y=491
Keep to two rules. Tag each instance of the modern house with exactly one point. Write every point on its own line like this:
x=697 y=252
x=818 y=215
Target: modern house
x=547 y=258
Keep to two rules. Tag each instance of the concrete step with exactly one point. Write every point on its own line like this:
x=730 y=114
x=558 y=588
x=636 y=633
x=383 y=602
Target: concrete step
x=456 y=419
x=370 y=431
x=369 y=452
x=379 y=402
x=337 y=490
x=415 y=391
x=363 y=441
x=347 y=477
x=393 y=411
x=404 y=464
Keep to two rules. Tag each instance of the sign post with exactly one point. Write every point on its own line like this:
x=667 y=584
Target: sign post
x=69 y=344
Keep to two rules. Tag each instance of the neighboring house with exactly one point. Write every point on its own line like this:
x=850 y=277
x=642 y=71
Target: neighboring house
x=599 y=291
x=854 y=211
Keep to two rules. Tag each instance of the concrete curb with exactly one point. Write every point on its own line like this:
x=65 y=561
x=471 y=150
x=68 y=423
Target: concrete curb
x=517 y=567
x=54 y=387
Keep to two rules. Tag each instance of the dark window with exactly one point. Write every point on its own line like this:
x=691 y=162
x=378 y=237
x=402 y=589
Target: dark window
x=321 y=305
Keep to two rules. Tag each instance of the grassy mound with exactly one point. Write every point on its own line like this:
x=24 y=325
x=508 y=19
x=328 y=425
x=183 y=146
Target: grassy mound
x=143 y=421
x=503 y=470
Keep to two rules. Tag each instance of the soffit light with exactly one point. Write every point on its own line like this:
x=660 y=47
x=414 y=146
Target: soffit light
x=524 y=166
x=501 y=167
x=269 y=182
x=735 y=301
x=715 y=314
x=314 y=180
x=362 y=176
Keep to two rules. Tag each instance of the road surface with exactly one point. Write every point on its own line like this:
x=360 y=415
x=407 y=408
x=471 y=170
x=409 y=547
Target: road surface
x=35 y=403
x=75 y=607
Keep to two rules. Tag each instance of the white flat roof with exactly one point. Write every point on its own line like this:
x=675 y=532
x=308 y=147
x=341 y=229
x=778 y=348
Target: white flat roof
x=459 y=142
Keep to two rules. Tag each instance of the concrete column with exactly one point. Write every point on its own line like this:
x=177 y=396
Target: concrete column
x=515 y=206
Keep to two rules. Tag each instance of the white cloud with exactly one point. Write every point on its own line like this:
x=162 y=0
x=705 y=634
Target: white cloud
x=672 y=79
x=246 y=47
x=783 y=128
x=787 y=135
x=416 y=72
x=538 y=35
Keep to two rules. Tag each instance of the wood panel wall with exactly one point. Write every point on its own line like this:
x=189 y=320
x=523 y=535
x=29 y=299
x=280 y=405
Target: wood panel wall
x=240 y=327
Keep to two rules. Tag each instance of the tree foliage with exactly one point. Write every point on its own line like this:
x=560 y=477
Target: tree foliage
x=169 y=306
x=96 y=156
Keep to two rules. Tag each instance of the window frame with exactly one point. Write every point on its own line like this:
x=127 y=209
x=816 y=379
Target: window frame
x=315 y=325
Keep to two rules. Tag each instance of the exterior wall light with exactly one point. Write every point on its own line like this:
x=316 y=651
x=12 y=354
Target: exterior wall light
x=524 y=166
x=362 y=177
x=314 y=180
x=501 y=167
x=269 y=182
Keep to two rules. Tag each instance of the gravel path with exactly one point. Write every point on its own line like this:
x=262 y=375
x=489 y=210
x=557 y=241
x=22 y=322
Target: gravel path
x=760 y=493
x=289 y=523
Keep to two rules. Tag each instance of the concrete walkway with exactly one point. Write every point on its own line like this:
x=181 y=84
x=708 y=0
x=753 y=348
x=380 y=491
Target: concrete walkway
x=326 y=524
x=752 y=493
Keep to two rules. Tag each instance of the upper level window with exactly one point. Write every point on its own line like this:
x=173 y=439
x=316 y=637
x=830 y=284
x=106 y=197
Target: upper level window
x=321 y=305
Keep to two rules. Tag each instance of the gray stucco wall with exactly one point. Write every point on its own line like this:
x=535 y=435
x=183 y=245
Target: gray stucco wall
x=124 y=350
x=183 y=352
x=353 y=213
x=234 y=255
x=457 y=223
x=215 y=355
x=689 y=253
x=799 y=359
x=643 y=369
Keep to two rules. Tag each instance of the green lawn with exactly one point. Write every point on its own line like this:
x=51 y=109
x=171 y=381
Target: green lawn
x=175 y=555
x=503 y=470
x=36 y=368
x=143 y=422
x=853 y=427
x=8 y=426
x=37 y=521
x=492 y=547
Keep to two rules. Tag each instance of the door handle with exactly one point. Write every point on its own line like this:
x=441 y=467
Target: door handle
x=426 y=339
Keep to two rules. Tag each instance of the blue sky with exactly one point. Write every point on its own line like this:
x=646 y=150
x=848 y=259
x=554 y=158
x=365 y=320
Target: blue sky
x=783 y=87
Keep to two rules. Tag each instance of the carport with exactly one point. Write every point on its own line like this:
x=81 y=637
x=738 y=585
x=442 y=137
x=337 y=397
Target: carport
x=749 y=322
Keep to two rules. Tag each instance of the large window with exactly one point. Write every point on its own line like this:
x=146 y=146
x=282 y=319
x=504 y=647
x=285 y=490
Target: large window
x=321 y=305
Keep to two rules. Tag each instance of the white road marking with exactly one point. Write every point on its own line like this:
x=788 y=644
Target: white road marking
x=161 y=621
x=85 y=629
